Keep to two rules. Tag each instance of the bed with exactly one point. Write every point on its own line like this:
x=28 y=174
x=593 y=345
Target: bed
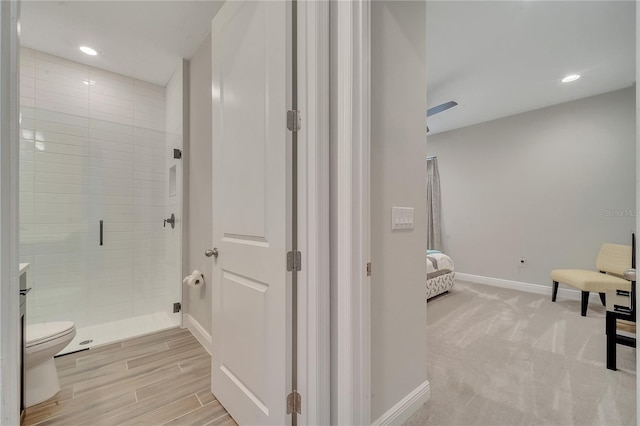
x=440 y=274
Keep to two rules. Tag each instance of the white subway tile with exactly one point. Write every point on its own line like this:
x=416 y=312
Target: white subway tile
x=107 y=154
x=111 y=199
x=114 y=312
x=147 y=90
x=105 y=84
x=109 y=172
x=110 y=109
x=111 y=127
x=103 y=294
x=158 y=194
x=63 y=169
x=66 y=230
x=150 y=124
x=72 y=160
x=45 y=118
x=110 y=181
x=60 y=65
x=85 y=161
x=104 y=135
x=27 y=102
x=61 y=138
x=27 y=90
x=44 y=126
x=105 y=99
x=43 y=77
x=111 y=164
x=123 y=148
x=45 y=97
x=151 y=176
x=104 y=190
x=26 y=187
x=148 y=137
x=98 y=115
x=59 y=178
x=53 y=200
x=67 y=108
x=56 y=87
x=62 y=218
x=62 y=148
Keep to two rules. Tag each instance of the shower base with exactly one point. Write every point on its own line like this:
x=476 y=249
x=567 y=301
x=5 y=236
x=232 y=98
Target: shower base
x=116 y=331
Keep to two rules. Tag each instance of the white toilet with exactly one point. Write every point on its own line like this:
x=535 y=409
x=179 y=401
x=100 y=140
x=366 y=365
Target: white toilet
x=43 y=341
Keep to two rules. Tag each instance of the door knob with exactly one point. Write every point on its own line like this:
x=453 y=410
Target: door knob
x=630 y=274
x=210 y=252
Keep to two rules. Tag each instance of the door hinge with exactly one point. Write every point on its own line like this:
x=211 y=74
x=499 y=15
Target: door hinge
x=177 y=153
x=294 y=261
x=294 y=121
x=294 y=403
x=369 y=269
x=177 y=307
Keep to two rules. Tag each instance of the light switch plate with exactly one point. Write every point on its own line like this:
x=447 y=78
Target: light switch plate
x=401 y=218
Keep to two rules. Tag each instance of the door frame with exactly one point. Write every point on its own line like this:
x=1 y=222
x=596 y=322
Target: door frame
x=9 y=252
x=637 y=184
x=313 y=212
x=350 y=212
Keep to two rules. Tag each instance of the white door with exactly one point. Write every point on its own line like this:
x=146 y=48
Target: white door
x=251 y=365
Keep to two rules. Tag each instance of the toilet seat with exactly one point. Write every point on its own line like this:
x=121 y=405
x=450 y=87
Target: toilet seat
x=38 y=334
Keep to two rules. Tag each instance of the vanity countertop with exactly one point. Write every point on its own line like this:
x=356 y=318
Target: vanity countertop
x=23 y=268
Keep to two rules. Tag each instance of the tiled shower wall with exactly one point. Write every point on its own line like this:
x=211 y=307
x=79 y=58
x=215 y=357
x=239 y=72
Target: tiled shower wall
x=93 y=148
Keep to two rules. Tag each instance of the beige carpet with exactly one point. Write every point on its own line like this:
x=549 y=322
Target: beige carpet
x=505 y=357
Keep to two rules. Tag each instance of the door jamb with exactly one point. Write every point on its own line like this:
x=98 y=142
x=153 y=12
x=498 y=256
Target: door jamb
x=350 y=212
x=313 y=212
x=9 y=252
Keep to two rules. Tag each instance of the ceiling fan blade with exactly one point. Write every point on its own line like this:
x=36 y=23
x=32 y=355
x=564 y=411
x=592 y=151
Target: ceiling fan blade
x=442 y=107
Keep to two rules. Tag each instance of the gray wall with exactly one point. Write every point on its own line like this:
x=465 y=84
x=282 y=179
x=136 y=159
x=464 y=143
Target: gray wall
x=198 y=204
x=549 y=185
x=398 y=176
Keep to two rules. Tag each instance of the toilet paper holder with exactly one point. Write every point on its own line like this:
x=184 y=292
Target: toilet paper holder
x=195 y=279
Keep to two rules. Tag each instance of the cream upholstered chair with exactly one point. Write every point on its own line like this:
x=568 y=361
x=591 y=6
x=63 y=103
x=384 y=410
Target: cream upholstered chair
x=612 y=261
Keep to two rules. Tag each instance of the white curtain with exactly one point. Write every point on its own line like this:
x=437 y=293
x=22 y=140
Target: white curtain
x=434 y=231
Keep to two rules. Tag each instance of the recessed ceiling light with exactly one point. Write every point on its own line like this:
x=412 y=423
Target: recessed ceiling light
x=570 y=78
x=88 y=50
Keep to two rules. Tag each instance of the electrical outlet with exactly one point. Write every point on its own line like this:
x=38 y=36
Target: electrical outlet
x=522 y=262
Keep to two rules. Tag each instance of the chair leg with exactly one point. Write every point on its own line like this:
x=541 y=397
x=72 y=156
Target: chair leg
x=585 y=302
x=611 y=340
x=555 y=291
x=603 y=299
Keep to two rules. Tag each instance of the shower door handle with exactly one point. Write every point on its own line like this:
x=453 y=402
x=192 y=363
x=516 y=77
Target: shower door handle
x=101 y=231
x=171 y=221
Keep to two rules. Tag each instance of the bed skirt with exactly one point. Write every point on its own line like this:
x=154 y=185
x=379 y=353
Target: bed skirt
x=440 y=284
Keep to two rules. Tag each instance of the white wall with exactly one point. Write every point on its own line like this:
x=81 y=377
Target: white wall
x=198 y=206
x=398 y=176
x=549 y=185
x=92 y=147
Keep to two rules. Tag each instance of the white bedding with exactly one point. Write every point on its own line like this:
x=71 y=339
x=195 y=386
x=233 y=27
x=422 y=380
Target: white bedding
x=438 y=264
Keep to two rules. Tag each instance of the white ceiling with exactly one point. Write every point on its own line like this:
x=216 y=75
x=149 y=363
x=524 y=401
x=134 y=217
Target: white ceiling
x=495 y=58
x=499 y=58
x=141 y=39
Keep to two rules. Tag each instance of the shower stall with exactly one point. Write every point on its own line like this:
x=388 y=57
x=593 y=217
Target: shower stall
x=100 y=174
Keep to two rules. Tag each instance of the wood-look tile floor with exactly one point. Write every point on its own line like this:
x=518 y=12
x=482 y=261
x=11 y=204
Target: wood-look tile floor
x=160 y=379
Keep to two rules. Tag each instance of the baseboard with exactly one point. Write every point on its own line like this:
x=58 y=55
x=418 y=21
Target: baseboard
x=403 y=410
x=566 y=293
x=198 y=332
